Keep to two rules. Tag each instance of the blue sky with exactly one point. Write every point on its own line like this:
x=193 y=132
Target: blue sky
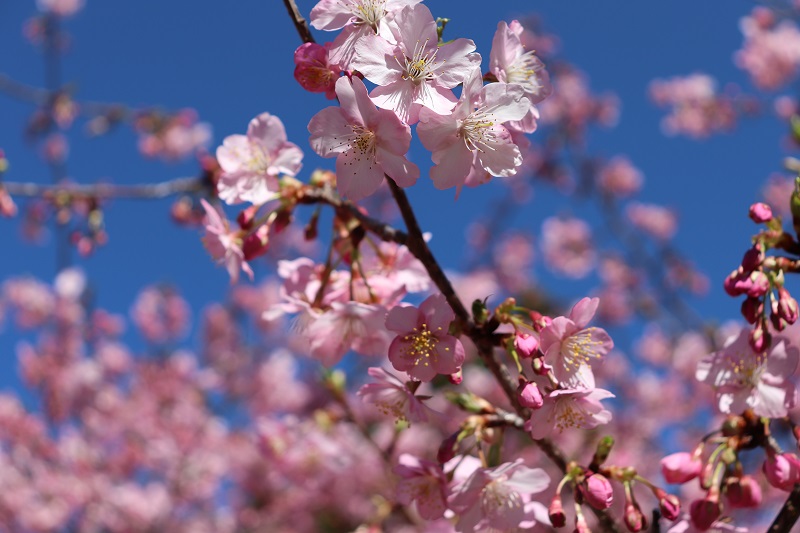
x=233 y=60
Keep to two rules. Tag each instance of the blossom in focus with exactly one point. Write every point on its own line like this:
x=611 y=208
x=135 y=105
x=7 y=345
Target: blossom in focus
x=367 y=142
x=423 y=347
x=473 y=135
x=422 y=482
x=392 y=397
x=224 y=244
x=567 y=246
x=569 y=345
x=313 y=70
x=499 y=498
x=744 y=379
x=416 y=72
x=251 y=163
x=357 y=19
x=511 y=63
x=569 y=409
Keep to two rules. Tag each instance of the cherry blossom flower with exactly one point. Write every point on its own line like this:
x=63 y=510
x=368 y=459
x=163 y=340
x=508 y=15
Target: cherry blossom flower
x=224 y=244
x=62 y=8
x=569 y=345
x=567 y=246
x=619 y=177
x=422 y=482
x=313 y=70
x=251 y=163
x=510 y=63
x=499 y=498
x=745 y=379
x=473 y=135
x=344 y=327
x=392 y=397
x=424 y=347
x=569 y=409
x=366 y=142
x=359 y=18
x=416 y=72
x=657 y=221
x=771 y=52
x=696 y=107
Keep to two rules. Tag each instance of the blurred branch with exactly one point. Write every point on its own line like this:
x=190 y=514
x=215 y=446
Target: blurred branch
x=788 y=514
x=106 y=190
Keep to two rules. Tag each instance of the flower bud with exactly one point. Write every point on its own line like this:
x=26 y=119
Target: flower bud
x=759 y=338
x=634 y=519
x=246 y=217
x=782 y=470
x=752 y=259
x=743 y=492
x=669 y=504
x=681 y=467
x=787 y=306
x=526 y=344
x=580 y=524
x=256 y=244
x=456 y=378
x=598 y=492
x=752 y=308
x=705 y=512
x=447 y=449
x=556 y=512
x=731 y=281
x=760 y=213
x=757 y=284
x=530 y=395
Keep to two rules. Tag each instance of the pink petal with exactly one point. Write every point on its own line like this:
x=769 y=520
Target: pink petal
x=453 y=164
x=329 y=130
x=268 y=130
x=403 y=318
x=397 y=167
x=583 y=311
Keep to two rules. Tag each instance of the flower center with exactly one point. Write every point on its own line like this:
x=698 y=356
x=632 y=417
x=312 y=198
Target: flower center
x=368 y=12
x=567 y=415
x=363 y=141
x=497 y=497
x=420 y=66
x=524 y=71
x=420 y=346
x=580 y=348
x=746 y=369
x=478 y=130
x=259 y=160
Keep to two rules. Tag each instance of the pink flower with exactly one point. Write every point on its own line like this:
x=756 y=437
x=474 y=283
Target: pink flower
x=745 y=379
x=366 y=142
x=510 y=63
x=473 y=135
x=619 y=177
x=224 y=245
x=499 y=498
x=569 y=409
x=655 y=220
x=422 y=482
x=313 y=71
x=251 y=163
x=359 y=18
x=569 y=345
x=346 y=326
x=681 y=467
x=416 y=72
x=392 y=397
x=62 y=8
x=424 y=347
x=771 y=52
x=567 y=246
x=696 y=108
x=760 y=213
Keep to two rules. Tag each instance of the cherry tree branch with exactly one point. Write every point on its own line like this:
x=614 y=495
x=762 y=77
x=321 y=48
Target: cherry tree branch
x=788 y=514
x=107 y=190
x=300 y=23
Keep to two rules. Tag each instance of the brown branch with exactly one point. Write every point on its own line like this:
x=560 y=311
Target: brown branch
x=300 y=23
x=107 y=190
x=328 y=196
x=788 y=514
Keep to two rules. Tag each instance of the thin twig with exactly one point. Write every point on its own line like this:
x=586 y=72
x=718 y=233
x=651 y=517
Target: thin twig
x=300 y=23
x=788 y=514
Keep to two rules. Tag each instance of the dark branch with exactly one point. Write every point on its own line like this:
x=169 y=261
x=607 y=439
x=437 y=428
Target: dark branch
x=300 y=23
x=788 y=514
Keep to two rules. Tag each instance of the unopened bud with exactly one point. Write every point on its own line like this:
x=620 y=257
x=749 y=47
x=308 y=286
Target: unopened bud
x=669 y=504
x=705 y=512
x=526 y=344
x=752 y=309
x=447 y=449
x=456 y=378
x=634 y=518
x=598 y=492
x=529 y=395
x=760 y=213
x=743 y=492
x=556 y=512
x=759 y=338
x=787 y=306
